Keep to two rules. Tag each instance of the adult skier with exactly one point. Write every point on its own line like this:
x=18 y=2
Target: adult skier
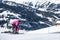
x=15 y=24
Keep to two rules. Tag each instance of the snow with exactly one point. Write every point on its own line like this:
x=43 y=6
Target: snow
x=43 y=9
x=47 y=30
x=39 y=15
x=41 y=22
x=58 y=21
x=8 y=12
x=19 y=1
x=50 y=19
x=55 y=1
x=51 y=29
x=41 y=34
x=48 y=33
x=35 y=1
x=5 y=13
x=58 y=12
x=30 y=37
x=55 y=16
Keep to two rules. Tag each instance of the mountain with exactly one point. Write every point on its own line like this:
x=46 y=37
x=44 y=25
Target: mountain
x=34 y=18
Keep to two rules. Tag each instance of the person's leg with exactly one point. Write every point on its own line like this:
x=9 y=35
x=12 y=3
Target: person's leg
x=16 y=29
x=13 y=28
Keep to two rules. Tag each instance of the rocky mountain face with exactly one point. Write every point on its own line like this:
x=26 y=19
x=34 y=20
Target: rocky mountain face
x=34 y=18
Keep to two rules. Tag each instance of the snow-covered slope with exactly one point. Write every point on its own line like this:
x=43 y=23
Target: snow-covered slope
x=41 y=34
x=30 y=37
x=47 y=30
x=51 y=29
x=19 y=1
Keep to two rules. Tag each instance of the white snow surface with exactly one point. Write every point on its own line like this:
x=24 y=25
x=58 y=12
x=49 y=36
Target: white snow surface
x=41 y=34
x=34 y=1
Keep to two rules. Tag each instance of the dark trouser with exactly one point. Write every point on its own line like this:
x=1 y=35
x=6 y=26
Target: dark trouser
x=15 y=29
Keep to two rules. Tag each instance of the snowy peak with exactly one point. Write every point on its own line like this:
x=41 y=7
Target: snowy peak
x=42 y=6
